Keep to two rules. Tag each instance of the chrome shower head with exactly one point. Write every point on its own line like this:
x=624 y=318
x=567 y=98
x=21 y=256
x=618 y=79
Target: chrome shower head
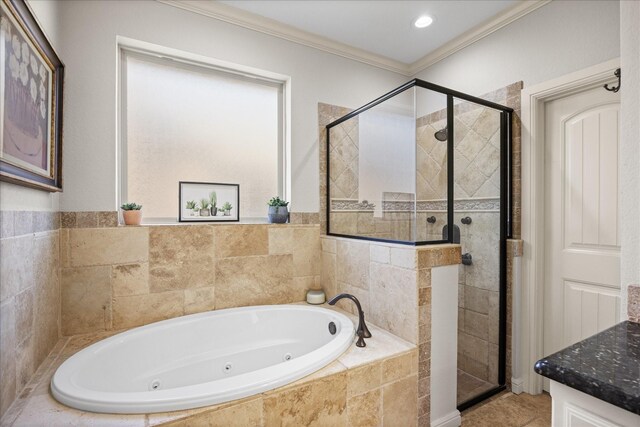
x=442 y=134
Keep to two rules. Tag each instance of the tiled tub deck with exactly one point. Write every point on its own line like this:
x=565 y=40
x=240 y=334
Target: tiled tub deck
x=375 y=385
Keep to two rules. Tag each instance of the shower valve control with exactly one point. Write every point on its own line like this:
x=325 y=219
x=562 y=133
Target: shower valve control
x=467 y=259
x=431 y=220
x=466 y=220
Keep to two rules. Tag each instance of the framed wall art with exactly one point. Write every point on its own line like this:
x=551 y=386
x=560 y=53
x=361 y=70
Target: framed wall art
x=208 y=202
x=31 y=79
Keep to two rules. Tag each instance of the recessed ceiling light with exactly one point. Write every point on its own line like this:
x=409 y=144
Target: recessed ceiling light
x=423 y=21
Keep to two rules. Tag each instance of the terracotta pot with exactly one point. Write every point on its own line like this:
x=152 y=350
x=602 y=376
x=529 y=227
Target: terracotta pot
x=132 y=217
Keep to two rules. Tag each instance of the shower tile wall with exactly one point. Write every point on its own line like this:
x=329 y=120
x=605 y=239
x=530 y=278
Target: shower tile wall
x=29 y=297
x=633 y=304
x=349 y=215
x=344 y=159
x=476 y=189
x=477 y=183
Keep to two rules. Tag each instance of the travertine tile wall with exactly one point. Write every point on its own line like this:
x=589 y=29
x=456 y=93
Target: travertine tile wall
x=29 y=297
x=633 y=304
x=345 y=160
x=479 y=296
x=376 y=394
x=393 y=284
x=326 y=114
x=477 y=153
x=120 y=277
x=89 y=219
x=515 y=249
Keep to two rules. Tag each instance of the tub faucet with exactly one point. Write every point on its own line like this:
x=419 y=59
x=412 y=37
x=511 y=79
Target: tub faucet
x=362 y=331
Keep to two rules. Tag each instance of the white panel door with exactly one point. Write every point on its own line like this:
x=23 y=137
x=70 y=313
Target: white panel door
x=582 y=241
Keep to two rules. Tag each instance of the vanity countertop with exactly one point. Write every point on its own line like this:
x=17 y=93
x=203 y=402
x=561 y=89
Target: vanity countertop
x=606 y=366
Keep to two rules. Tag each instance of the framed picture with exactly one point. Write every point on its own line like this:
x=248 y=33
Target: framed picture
x=208 y=202
x=31 y=78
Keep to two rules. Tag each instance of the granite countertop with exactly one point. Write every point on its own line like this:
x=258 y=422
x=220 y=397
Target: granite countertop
x=606 y=366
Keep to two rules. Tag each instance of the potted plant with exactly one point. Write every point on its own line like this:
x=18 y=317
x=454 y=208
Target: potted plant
x=226 y=208
x=204 y=207
x=131 y=213
x=193 y=207
x=213 y=199
x=278 y=212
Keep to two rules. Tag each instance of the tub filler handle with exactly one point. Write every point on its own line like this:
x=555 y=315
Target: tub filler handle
x=362 y=331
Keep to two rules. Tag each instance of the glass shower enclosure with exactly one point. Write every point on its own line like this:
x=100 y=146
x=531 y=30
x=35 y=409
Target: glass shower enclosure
x=424 y=164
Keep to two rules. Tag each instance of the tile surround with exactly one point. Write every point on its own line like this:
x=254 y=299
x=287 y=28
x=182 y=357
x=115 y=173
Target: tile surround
x=120 y=277
x=385 y=277
x=29 y=297
x=633 y=309
x=304 y=218
x=89 y=219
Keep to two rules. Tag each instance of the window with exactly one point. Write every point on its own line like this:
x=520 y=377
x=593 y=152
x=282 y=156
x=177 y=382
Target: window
x=183 y=121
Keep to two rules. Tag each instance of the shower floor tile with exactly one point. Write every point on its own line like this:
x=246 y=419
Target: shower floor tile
x=470 y=386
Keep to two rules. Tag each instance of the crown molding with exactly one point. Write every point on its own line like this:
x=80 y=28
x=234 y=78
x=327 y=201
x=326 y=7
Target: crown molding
x=271 y=27
x=481 y=31
x=274 y=28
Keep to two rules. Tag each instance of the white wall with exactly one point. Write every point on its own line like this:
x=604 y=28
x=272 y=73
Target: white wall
x=556 y=39
x=88 y=34
x=16 y=197
x=629 y=147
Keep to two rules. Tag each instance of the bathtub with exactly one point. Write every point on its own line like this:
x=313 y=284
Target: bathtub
x=202 y=359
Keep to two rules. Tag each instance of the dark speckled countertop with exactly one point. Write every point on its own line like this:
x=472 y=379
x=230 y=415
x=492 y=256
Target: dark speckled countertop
x=606 y=366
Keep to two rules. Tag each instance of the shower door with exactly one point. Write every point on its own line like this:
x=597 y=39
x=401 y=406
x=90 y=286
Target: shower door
x=424 y=164
x=480 y=207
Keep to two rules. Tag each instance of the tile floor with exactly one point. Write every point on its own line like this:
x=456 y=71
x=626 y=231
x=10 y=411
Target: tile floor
x=470 y=386
x=510 y=410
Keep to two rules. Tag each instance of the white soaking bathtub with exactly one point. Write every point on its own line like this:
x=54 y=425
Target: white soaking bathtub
x=202 y=359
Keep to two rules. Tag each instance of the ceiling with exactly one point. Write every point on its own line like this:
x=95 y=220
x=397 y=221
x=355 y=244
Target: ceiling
x=381 y=27
x=376 y=32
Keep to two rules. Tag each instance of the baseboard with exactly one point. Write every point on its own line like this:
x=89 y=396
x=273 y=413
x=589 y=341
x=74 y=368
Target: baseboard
x=517 y=385
x=452 y=419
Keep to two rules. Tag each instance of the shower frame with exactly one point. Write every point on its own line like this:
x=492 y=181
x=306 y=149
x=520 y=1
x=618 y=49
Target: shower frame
x=506 y=213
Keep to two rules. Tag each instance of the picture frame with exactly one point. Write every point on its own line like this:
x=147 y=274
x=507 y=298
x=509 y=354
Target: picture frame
x=31 y=77
x=196 y=202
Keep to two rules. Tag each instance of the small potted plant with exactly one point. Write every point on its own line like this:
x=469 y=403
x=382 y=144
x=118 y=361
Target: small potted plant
x=193 y=207
x=226 y=208
x=204 y=207
x=278 y=212
x=213 y=199
x=131 y=213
